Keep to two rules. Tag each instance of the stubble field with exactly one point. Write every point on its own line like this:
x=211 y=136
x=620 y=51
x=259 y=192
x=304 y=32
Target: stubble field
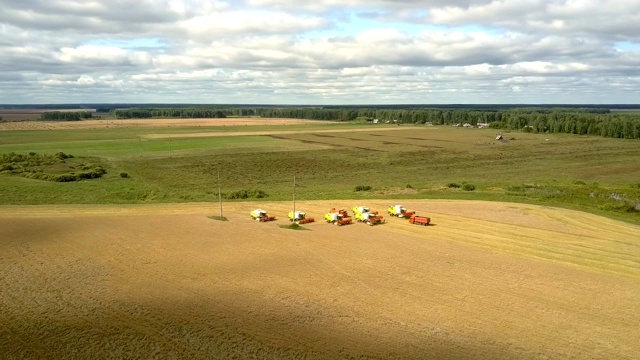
x=135 y=268
x=487 y=280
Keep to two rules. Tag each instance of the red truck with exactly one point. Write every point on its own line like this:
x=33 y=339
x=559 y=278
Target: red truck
x=420 y=220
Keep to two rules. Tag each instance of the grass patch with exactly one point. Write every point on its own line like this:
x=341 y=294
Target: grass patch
x=531 y=170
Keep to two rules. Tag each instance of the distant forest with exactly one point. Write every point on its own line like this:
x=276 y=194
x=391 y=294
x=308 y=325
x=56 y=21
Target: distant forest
x=572 y=119
x=582 y=121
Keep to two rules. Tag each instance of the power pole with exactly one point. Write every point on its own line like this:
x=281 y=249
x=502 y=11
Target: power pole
x=219 y=193
x=294 y=196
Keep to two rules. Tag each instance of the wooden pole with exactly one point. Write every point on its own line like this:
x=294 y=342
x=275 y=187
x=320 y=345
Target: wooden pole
x=294 y=197
x=219 y=193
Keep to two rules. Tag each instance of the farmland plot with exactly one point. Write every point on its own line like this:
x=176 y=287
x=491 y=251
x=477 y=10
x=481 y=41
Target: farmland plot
x=487 y=280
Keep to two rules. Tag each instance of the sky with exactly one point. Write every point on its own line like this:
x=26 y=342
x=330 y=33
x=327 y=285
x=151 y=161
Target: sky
x=320 y=52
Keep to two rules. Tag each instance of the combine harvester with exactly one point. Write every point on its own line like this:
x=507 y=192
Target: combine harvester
x=261 y=215
x=363 y=214
x=400 y=211
x=300 y=217
x=419 y=220
x=338 y=217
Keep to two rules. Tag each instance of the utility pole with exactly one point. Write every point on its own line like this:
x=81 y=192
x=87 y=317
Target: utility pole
x=219 y=194
x=294 y=196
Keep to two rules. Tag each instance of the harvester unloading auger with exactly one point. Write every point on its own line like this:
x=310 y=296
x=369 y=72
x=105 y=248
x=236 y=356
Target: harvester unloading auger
x=338 y=217
x=363 y=214
x=261 y=215
x=400 y=211
x=300 y=217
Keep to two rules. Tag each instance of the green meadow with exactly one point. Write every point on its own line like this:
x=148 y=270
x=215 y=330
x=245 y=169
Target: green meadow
x=595 y=174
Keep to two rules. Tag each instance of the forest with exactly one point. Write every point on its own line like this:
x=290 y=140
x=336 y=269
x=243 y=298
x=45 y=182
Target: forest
x=582 y=121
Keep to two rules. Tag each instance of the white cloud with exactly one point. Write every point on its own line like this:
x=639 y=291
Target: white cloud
x=263 y=51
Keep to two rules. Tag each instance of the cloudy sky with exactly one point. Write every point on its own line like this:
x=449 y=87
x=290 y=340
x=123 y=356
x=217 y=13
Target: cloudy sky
x=320 y=52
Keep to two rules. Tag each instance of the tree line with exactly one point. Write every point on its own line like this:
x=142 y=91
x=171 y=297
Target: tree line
x=195 y=112
x=582 y=121
x=66 y=115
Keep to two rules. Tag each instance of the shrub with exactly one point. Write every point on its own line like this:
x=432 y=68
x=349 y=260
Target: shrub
x=468 y=187
x=246 y=194
x=363 y=188
x=61 y=156
x=453 y=185
x=124 y=175
x=408 y=186
x=623 y=206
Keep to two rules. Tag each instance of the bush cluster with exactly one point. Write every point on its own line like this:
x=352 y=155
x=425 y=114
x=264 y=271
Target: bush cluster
x=622 y=206
x=246 y=194
x=363 y=188
x=468 y=187
x=29 y=166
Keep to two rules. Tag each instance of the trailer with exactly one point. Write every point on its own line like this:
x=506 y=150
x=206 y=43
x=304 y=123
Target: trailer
x=419 y=220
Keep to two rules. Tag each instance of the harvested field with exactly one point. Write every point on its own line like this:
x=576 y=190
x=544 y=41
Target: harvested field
x=148 y=123
x=487 y=280
x=316 y=133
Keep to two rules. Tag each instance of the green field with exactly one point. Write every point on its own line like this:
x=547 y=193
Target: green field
x=175 y=165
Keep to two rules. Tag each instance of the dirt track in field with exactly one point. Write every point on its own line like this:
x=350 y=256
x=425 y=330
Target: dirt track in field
x=488 y=280
x=136 y=123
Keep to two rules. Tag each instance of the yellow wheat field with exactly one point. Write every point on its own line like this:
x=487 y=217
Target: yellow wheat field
x=486 y=281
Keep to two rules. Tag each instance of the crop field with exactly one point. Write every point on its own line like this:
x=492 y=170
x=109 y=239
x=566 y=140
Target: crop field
x=131 y=265
x=168 y=161
x=487 y=280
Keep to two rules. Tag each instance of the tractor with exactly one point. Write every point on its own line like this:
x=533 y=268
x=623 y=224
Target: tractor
x=337 y=218
x=261 y=215
x=300 y=217
x=400 y=211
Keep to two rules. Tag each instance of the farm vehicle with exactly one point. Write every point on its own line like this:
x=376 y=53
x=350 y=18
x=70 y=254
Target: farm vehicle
x=419 y=220
x=342 y=212
x=300 y=217
x=400 y=211
x=261 y=215
x=338 y=217
x=363 y=214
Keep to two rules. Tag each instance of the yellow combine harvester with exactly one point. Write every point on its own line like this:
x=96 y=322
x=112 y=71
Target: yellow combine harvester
x=364 y=215
x=400 y=211
x=261 y=215
x=300 y=217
